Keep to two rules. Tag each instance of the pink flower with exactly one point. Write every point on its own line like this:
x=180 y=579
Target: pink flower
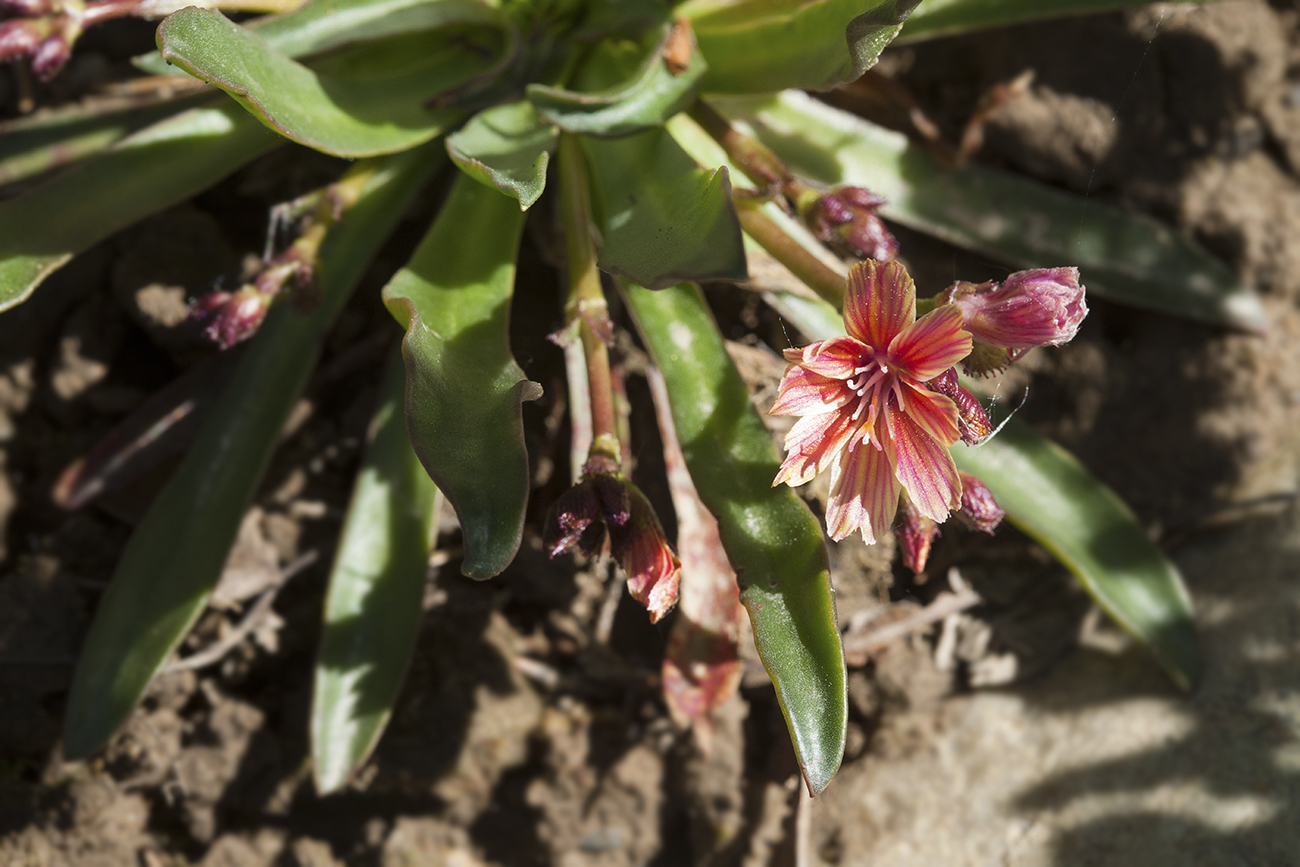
x=868 y=415
x=1042 y=307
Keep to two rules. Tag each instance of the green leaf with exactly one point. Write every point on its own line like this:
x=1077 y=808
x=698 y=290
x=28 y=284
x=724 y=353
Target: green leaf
x=463 y=387
x=176 y=555
x=1124 y=257
x=32 y=145
x=772 y=539
x=43 y=228
x=757 y=46
x=664 y=219
x=374 y=106
x=373 y=606
x=507 y=147
x=1049 y=495
x=948 y=17
x=650 y=97
x=324 y=24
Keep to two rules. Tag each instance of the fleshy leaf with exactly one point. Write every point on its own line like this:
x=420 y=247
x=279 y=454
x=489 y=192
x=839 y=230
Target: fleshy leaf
x=664 y=219
x=757 y=46
x=324 y=24
x=1049 y=495
x=373 y=606
x=650 y=97
x=43 y=228
x=1129 y=258
x=506 y=147
x=771 y=538
x=463 y=387
x=948 y=17
x=374 y=102
x=176 y=555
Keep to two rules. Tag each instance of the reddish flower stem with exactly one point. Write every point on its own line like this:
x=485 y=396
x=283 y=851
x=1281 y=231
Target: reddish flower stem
x=586 y=298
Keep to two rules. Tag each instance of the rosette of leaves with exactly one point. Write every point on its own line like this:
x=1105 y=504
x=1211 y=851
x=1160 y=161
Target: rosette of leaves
x=402 y=85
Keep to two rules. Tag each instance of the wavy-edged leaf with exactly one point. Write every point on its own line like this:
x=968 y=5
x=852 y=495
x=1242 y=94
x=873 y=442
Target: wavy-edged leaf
x=373 y=606
x=1053 y=498
x=507 y=147
x=949 y=17
x=324 y=24
x=463 y=387
x=43 y=228
x=1125 y=257
x=1049 y=495
x=757 y=46
x=176 y=555
x=772 y=539
x=362 y=109
x=664 y=219
x=651 y=96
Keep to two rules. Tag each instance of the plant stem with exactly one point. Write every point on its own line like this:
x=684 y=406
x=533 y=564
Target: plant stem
x=815 y=274
x=586 y=303
x=759 y=163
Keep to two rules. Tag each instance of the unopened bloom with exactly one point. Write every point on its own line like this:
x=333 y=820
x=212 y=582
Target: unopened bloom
x=1042 y=307
x=230 y=317
x=978 y=508
x=868 y=414
x=915 y=534
x=846 y=217
x=606 y=502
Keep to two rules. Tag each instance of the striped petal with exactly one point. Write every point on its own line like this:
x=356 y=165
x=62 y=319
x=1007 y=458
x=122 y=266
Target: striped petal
x=836 y=358
x=934 y=413
x=931 y=344
x=864 y=492
x=811 y=446
x=803 y=392
x=924 y=467
x=879 y=303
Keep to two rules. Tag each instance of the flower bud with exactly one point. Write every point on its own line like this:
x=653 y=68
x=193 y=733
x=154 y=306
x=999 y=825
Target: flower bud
x=915 y=534
x=26 y=8
x=50 y=56
x=229 y=318
x=20 y=37
x=846 y=217
x=1042 y=307
x=978 y=508
x=973 y=422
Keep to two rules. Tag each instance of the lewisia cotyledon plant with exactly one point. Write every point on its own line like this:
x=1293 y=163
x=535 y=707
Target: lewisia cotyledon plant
x=868 y=414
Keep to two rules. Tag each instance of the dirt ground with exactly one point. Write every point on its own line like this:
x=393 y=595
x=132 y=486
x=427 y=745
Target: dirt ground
x=1025 y=730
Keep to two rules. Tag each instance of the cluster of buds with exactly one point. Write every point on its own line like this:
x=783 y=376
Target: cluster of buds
x=915 y=532
x=604 y=503
x=44 y=31
x=230 y=317
x=845 y=219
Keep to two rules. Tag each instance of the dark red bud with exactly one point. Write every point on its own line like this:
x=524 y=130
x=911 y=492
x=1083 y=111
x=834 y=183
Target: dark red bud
x=973 y=420
x=26 y=8
x=915 y=534
x=978 y=507
x=569 y=518
x=845 y=217
x=20 y=38
x=50 y=56
x=230 y=317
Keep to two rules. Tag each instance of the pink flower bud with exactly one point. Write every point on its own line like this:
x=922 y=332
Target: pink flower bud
x=26 y=8
x=846 y=217
x=915 y=534
x=978 y=507
x=1042 y=307
x=19 y=38
x=50 y=56
x=229 y=318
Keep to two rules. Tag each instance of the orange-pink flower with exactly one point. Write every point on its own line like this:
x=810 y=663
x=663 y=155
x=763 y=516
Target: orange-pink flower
x=868 y=415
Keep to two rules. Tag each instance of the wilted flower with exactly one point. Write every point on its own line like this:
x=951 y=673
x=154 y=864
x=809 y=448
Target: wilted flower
x=606 y=502
x=869 y=415
x=1042 y=307
x=846 y=217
